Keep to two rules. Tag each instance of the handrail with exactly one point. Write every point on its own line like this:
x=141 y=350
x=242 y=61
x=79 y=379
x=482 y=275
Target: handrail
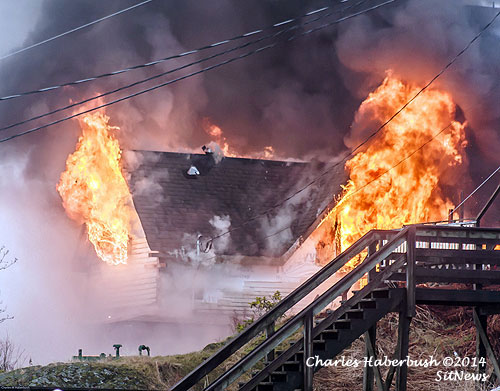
x=283 y=357
x=293 y=298
x=395 y=238
x=454 y=228
x=315 y=307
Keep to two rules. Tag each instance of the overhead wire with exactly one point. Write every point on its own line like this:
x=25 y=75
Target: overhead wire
x=349 y=195
x=168 y=58
x=474 y=191
x=74 y=30
x=142 y=81
x=351 y=152
x=228 y=61
x=360 y=188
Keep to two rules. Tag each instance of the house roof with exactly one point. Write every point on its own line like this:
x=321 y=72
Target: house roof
x=174 y=207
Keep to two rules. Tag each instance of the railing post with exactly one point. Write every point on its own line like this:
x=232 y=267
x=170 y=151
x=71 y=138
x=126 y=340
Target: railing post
x=270 y=330
x=372 y=249
x=368 y=372
x=370 y=335
x=308 y=351
x=410 y=270
x=402 y=348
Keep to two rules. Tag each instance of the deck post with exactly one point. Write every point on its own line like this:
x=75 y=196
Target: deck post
x=402 y=347
x=481 y=321
x=410 y=271
x=370 y=335
x=368 y=373
x=308 y=351
x=481 y=334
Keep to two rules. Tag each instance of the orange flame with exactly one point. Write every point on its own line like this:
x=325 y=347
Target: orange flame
x=229 y=151
x=94 y=190
x=410 y=192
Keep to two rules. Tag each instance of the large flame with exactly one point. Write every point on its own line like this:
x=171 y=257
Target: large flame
x=410 y=192
x=94 y=189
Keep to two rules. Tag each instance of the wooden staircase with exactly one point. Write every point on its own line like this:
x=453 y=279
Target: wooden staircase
x=392 y=264
x=332 y=340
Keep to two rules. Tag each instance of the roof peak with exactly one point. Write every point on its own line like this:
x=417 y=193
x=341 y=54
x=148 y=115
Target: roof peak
x=189 y=155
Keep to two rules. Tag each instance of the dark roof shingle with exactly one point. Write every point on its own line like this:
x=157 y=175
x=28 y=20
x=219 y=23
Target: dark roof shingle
x=171 y=204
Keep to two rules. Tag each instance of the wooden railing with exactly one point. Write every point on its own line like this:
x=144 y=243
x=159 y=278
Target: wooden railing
x=397 y=255
x=447 y=254
x=267 y=322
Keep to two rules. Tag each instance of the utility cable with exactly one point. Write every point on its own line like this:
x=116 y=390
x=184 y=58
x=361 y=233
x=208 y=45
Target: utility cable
x=357 y=190
x=476 y=189
x=176 y=56
x=347 y=196
x=351 y=153
x=75 y=29
x=274 y=35
x=185 y=76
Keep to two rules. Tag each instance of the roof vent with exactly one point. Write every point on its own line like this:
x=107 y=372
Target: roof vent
x=193 y=171
x=207 y=150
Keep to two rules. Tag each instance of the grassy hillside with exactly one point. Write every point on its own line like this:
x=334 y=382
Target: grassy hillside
x=139 y=372
x=437 y=332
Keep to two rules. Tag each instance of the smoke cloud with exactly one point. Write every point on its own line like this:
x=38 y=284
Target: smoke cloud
x=300 y=97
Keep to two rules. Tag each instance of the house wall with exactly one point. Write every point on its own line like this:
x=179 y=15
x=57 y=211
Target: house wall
x=219 y=294
x=128 y=291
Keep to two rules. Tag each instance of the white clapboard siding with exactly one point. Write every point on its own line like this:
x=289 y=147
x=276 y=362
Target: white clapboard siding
x=237 y=303
x=132 y=287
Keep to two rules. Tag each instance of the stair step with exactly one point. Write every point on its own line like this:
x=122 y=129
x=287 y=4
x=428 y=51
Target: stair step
x=355 y=314
x=342 y=324
x=380 y=293
x=329 y=335
x=265 y=386
x=319 y=345
x=366 y=303
x=279 y=376
x=291 y=366
x=380 y=289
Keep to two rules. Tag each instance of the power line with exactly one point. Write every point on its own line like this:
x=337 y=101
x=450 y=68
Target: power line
x=476 y=189
x=324 y=173
x=256 y=243
x=396 y=165
x=429 y=83
x=75 y=29
x=155 y=62
x=360 y=188
x=185 y=76
x=264 y=213
x=274 y=35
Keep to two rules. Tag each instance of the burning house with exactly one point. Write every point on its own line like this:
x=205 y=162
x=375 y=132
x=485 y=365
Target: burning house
x=189 y=236
x=214 y=231
x=197 y=222
x=217 y=221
